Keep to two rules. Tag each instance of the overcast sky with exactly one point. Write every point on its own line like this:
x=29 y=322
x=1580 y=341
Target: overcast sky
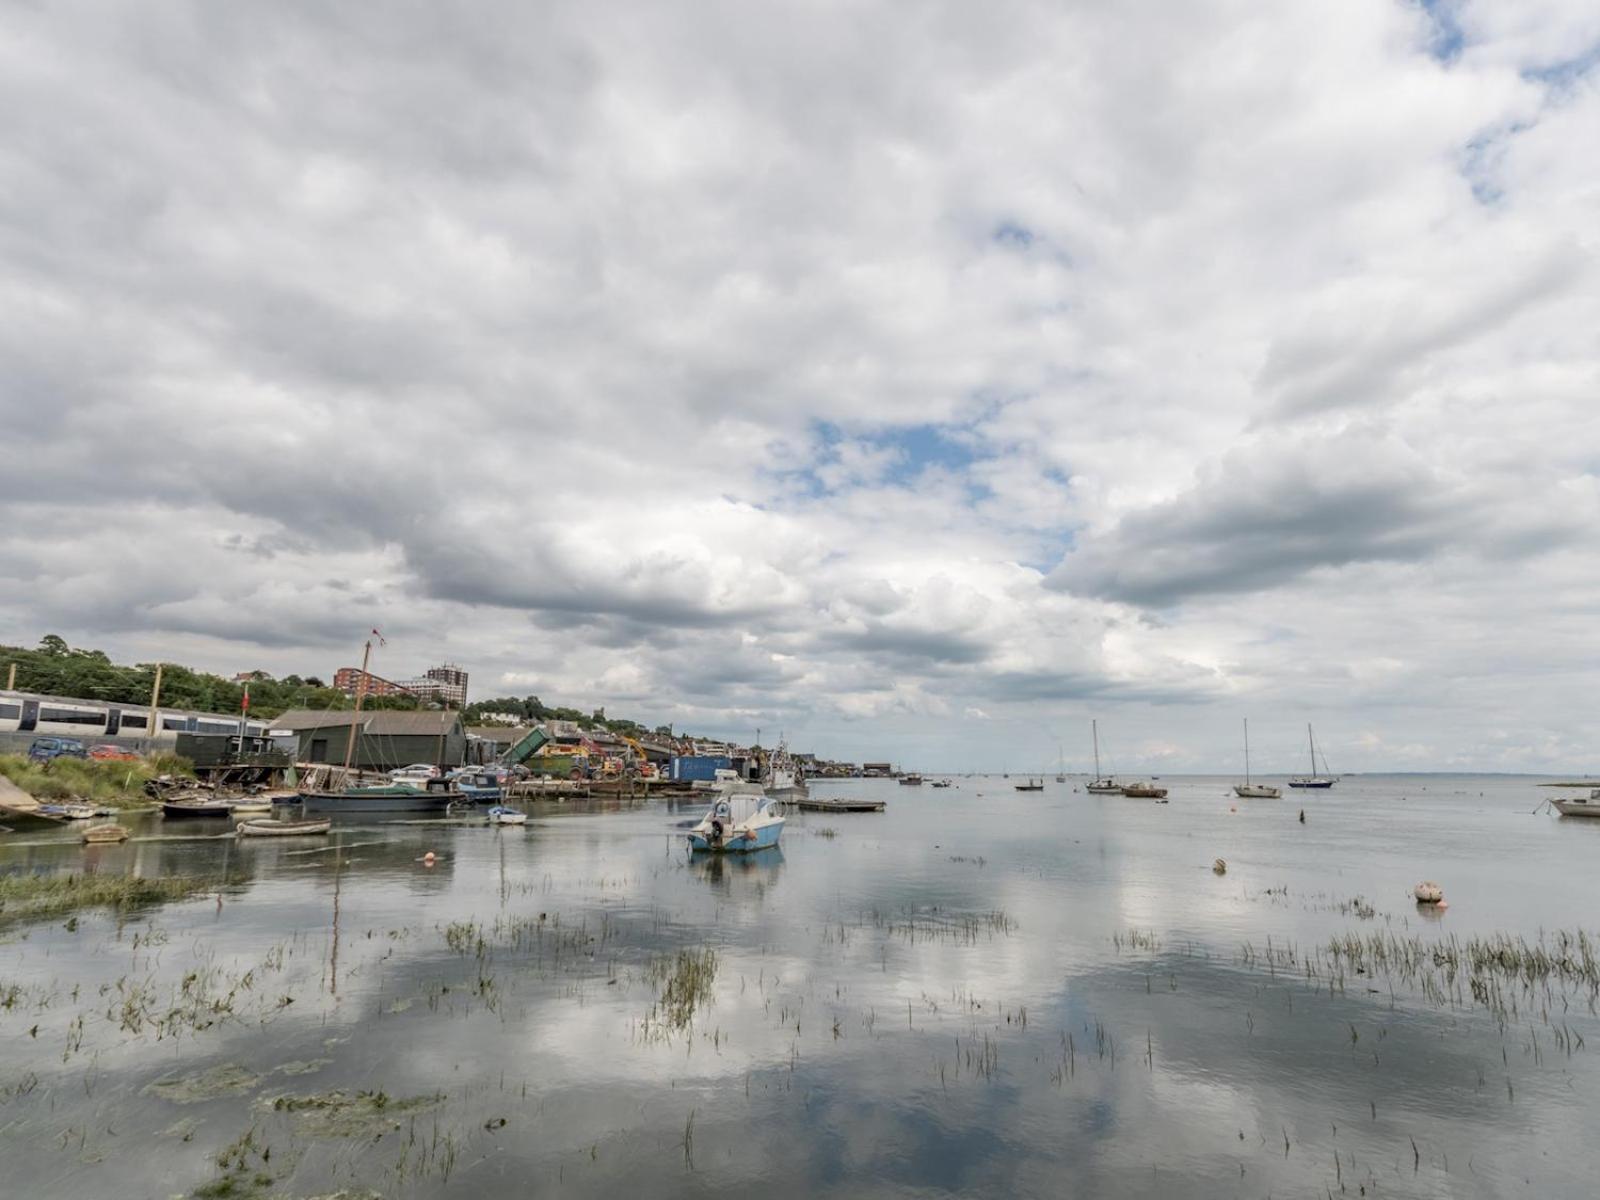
x=920 y=380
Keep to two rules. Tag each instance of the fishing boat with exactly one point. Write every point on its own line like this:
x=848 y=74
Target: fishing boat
x=1579 y=806
x=175 y=809
x=476 y=787
x=266 y=827
x=1312 y=780
x=501 y=815
x=1144 y=791
x=100 y=834
x=738 y=822
x=1031 y=785
x=1248 y=790
x=911 y=780
x=783 y=778
x=1101 y=783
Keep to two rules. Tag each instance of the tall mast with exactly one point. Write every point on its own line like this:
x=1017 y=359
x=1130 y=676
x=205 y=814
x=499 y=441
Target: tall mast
x=1311 y=742
x=1095 y=727
x=355 y=718
x=1247 y=752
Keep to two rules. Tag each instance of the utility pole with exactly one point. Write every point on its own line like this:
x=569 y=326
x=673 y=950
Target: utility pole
x=11 y=679
x=155 y=698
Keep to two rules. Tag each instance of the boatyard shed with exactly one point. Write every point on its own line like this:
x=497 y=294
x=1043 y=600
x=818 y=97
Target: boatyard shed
x=384 y=739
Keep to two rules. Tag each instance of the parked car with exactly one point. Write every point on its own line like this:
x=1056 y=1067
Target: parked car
x=46 y=749
x=415 y=772
x=106 y=752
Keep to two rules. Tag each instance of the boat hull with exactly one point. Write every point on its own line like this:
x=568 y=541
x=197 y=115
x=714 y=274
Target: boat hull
x=1312 y=784
x=1145 y=793
x=766 y=837
x=1256 y=791
x=266 y=828
x=1577 y=808
x=190 y=811
x=376 y=802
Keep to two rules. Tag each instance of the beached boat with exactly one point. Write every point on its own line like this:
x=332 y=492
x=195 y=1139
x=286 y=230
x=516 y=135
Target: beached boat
x=1248 y=790
x=175 y=809
x=1579 y=806
x=738 y=822
x=1031 y=785
x=265 y=827
x=501 y=815
x=1101 y=783
x=1144 y=791
x=98 y=834
x=1313 y=780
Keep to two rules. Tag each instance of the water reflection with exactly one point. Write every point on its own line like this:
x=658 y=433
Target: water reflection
x=1006 y=994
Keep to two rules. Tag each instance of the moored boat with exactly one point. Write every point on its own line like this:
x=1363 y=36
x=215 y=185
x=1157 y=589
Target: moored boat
x=1579 y=806
x=940 y=783
x=266 y=827
x=738 y=822
x=1313 y=780
x=1105 y=784
x=1144 y=791
x=1248 y=790
x=502 y=815
x=392 y=798
x=911 y=780
x=98 y=834
x=174 y=809
x=1031 y=785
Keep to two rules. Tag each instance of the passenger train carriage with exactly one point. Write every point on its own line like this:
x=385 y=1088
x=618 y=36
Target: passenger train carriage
x=29 y=712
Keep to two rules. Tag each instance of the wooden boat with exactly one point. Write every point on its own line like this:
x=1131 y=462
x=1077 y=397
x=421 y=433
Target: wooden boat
x=1106 y=784
x=1312 y=780
x=252 y=807
x=97 y=834
x=1248 y=790
x=174 y=809
x=1144 y=791
x=839 y=805
x=1032 y=785
x=271 y=828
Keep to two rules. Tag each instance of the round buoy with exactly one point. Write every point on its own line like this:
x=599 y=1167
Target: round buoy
x=1428 y=892
x=429 y=858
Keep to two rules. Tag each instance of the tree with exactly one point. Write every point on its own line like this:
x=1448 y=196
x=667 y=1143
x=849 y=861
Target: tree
x=54 y=645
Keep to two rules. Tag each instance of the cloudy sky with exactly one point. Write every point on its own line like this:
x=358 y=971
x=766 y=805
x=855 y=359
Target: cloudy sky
x=922 y=380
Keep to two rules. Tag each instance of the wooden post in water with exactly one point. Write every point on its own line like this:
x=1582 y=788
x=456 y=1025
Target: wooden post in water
x=355 y=717
x=155 y=698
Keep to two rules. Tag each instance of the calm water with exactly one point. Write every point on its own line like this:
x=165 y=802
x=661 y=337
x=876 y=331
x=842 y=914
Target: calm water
x=978 y=991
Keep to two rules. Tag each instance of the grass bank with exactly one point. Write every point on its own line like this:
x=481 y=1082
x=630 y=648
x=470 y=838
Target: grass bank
x=112 y=783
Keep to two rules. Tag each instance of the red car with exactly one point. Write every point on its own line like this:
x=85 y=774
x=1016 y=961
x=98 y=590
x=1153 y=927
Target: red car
x=106 y=752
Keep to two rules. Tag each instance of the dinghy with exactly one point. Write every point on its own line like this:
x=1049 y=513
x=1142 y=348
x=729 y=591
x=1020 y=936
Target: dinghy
x=271 y=828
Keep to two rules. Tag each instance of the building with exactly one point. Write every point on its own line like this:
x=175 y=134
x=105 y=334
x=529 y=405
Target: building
x=348 y=679
x=384 y=739
x=444 y=685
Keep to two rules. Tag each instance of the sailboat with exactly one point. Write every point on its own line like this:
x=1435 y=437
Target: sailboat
x=1312 y=780
x=381 y=798
x=1101 y=783
x=1061 y=764
x=1248 y=790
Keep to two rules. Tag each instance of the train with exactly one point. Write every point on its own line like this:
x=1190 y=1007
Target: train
x=95 y=720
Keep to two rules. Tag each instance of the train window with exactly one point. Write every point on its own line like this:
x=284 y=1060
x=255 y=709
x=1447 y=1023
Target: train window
x=10 y=712
x=173 y=723
x=72 y=716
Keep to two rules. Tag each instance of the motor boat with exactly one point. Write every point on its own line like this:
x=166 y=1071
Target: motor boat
x=738 y=822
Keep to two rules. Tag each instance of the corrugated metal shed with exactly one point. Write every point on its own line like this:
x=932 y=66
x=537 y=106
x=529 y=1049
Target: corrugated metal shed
x=386 y=738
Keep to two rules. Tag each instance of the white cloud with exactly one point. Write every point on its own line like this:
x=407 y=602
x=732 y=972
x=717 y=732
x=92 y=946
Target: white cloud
x=601 y=355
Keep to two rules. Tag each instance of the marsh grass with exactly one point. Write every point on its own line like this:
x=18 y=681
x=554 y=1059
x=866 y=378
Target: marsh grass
x=24 y=896
x=686 y=980
x=109 y=783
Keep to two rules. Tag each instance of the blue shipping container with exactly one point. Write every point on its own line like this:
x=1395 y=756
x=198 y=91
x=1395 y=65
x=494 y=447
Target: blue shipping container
x=699 y=766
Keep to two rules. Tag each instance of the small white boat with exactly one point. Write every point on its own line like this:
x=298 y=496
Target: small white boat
x=501 y=815
x=738 y=821
x=1579 y=806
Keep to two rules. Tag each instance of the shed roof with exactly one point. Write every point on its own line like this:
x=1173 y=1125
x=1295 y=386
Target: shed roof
x=381 y=722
